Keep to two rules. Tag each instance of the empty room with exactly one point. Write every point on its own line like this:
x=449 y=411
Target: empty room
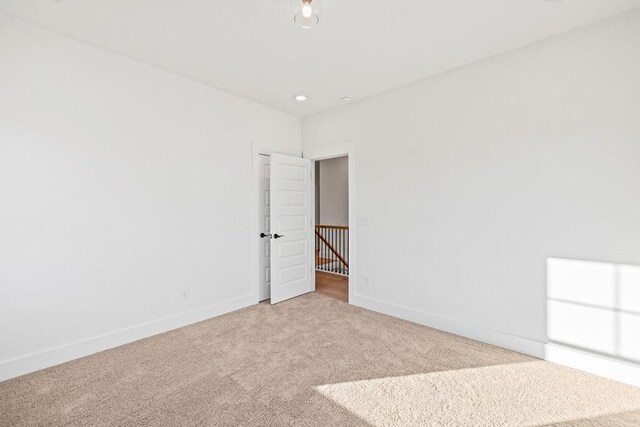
x=320 y=213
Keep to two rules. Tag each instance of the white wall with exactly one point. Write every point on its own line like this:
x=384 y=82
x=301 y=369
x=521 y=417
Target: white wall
x=471 y=180
x=120 y=185
x=334 y=191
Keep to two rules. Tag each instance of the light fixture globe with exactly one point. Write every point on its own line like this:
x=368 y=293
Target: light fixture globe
x=306 y=13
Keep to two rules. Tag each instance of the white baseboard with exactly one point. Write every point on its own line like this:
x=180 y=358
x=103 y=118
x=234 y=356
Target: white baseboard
x=610 y=368
x=54 y=356
x=606 y=367
x=454 y=326
x=617 y=370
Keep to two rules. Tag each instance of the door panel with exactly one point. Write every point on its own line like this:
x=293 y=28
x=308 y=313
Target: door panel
x=265 y=224
x=291 y=215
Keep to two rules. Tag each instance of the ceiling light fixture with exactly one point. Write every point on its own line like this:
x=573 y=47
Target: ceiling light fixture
x=345 y=99
x=301 y=98
x=306 y=13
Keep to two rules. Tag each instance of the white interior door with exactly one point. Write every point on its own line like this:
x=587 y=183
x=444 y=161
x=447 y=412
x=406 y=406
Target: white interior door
x=265 y=225
x=291 y=221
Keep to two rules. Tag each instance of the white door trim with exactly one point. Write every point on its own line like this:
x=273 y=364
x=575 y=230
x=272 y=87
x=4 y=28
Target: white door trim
x=254 y=253
x=329 y=152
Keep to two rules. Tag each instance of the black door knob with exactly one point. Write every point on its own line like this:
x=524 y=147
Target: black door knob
x=277 y=236
x=264 y=235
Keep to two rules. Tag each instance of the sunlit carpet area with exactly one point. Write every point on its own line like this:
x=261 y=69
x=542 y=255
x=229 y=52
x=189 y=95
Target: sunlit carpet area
x=312 y=361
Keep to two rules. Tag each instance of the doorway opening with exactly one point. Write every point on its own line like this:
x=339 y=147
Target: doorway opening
x=332 y=227
x=304 y=223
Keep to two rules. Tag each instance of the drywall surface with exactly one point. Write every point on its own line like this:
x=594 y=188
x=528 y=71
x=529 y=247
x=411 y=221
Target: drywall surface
x=334 y=191
x=468 y=182
x=121 y=187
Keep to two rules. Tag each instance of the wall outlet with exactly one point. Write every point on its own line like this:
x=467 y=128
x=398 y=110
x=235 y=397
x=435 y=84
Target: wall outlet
x=365 y=282
x=362 y=220
x=185 y=293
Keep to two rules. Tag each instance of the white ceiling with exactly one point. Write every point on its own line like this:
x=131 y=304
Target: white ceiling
x=362 y=47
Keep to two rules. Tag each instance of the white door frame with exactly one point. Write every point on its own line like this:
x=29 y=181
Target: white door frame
x=329 y=152
x=256 y=150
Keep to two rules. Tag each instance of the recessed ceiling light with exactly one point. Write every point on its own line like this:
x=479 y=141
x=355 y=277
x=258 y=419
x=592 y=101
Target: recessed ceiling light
x=301 y=98
x=345 y=99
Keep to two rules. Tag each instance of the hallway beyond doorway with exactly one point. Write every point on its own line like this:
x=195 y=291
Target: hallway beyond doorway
x=332 y=231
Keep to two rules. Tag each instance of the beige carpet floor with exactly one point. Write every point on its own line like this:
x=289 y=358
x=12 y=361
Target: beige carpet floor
x=313 y=361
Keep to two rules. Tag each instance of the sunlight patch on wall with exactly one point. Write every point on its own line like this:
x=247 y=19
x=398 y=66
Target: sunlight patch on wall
x=519 y=394
x=594 y=306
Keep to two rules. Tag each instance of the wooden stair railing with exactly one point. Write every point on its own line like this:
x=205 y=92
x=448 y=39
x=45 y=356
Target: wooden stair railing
x=332 y=248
